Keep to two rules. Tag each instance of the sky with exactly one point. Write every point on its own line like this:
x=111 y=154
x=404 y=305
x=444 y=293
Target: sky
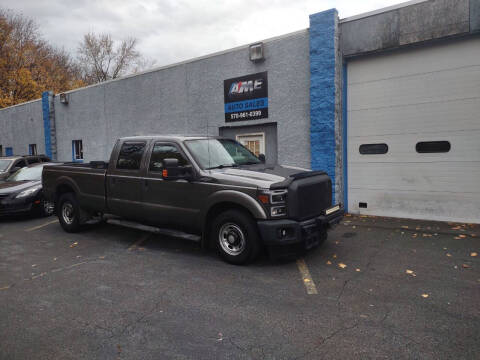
x=170 y=31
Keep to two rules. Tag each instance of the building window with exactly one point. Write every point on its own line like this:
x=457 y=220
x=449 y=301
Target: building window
x=433 y=146
x=130 y=155
x=77 y=150
x=8 y=151
x=253 y=142
x=372 y=149
x=32 y=149
x=1 y=150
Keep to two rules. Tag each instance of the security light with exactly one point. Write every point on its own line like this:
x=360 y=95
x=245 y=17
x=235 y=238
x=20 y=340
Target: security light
x=256 y=52
x=64 y=98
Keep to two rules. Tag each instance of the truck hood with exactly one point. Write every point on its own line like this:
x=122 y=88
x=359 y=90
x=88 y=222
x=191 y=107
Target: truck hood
x=261 y=175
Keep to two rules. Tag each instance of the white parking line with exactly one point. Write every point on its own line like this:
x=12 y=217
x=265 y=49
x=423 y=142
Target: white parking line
x=41 y=226
x=307 y=278
x=137 y=243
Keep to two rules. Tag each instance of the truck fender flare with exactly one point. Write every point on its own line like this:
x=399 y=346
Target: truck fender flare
x=65 y=180
x=238 y=198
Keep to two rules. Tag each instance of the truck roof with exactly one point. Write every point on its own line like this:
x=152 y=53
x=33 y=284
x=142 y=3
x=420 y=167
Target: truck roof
x=169 y=137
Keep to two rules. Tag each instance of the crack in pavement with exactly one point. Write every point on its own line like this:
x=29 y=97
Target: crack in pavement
x=325 y=339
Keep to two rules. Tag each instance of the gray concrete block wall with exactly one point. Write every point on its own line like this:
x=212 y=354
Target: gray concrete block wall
x=22 y=125
x=188 y=99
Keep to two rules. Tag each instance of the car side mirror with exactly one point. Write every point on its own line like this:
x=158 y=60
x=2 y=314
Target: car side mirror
x=262 y=158
x=172 y=171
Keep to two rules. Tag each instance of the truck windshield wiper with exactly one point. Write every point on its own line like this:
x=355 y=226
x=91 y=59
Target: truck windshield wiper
x=222 y=166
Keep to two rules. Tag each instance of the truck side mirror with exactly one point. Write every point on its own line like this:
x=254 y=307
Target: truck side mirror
x=172 y=171
x=261 y=157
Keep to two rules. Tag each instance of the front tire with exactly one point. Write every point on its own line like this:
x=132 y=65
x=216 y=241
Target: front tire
x=69 y=213
x=235 y=236
x=46 y=208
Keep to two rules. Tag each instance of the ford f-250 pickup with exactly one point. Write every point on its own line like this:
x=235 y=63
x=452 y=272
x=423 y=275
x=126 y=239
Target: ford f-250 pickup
x=209 y=189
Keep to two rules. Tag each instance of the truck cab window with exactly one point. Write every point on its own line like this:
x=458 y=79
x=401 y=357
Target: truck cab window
x=130 y=155
x=165 y=151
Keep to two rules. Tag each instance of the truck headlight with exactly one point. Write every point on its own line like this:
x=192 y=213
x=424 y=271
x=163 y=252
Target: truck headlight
x=28 y=192
x=273 y=196
x=278 y=210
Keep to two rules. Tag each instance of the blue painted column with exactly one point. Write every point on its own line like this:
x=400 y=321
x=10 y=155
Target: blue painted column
x=46 y=123
x=322 y=33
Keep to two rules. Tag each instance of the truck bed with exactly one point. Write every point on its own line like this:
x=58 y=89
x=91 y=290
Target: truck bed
x=88 y=181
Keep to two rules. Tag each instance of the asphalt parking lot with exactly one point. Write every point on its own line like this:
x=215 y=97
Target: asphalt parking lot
x=378 y=288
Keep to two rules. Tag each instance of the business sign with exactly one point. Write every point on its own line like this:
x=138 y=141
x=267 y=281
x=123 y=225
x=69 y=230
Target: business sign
x=246 y=97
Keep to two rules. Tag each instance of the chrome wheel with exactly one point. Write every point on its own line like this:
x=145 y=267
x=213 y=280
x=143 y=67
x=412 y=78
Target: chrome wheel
x=68 y=213
x=231 y=239
x=48 y=207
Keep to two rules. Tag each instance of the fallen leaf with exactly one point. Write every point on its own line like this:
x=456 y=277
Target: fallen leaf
x=74 y=244
x=455 y=267
x=101 y=257
x=473 y=254
x=405 y=226
x=449 y=255
x=363 y=316
x=425 y=296
x=465 y=266
x=456 y=228
x=410 y=272
x=444 y=248
x=342 y=265
x=462 y=236
x=357 y=270
x=34 y=265
x=329 y=262
x=457 y=238
x=334 y=256
x=54 y=259
x=354 y=227
x=337 y=242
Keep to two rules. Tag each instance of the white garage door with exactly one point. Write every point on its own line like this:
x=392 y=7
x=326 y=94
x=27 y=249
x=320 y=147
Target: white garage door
x=428 y=95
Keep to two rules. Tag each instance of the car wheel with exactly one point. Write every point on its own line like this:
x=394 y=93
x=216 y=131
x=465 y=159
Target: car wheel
x=236 y=237
x=69 y=213
x=47 y=208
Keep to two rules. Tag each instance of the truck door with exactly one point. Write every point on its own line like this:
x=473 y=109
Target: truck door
x=124 y=179
x=170 y=203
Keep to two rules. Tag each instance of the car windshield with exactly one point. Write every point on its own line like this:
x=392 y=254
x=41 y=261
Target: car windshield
x=4 y=164
x=27 y=173
x=219 y=153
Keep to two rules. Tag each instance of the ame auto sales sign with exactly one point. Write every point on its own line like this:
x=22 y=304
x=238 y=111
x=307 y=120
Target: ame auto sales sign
x=246 y=97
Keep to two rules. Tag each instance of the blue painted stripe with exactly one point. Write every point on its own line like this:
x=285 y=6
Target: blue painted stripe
x=322 y=92
x=245 y=105
x=345 y=137
x=46 y=124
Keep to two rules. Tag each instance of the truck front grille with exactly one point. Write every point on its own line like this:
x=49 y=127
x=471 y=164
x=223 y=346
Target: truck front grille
x=309 y=197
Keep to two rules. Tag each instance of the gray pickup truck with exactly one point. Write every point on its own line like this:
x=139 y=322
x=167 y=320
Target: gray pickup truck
x=208 y=189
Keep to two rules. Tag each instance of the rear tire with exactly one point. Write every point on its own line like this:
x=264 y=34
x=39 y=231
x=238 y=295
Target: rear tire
x=69 y=213
x=235 y=236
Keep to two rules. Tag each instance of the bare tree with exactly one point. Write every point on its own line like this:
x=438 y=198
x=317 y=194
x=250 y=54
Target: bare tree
x=101 y=59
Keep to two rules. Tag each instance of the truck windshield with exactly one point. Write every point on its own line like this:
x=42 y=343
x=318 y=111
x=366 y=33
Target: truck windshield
x=219 y=153
x=4 y=164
